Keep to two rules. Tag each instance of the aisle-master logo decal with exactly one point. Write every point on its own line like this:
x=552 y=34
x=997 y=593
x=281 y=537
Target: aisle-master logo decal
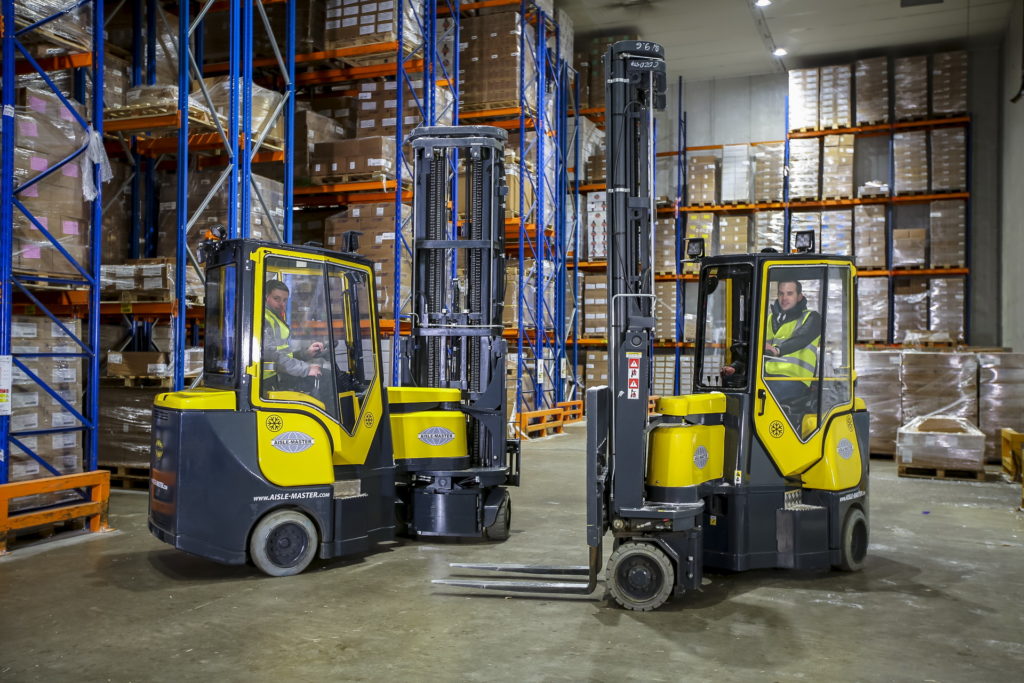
x=700 y=457
x=292 y=495
x=436 y=436
x=845 y=449
x=292 y=442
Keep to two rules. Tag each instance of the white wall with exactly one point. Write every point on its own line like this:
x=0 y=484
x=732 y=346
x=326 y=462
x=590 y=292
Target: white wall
x=1013 y=186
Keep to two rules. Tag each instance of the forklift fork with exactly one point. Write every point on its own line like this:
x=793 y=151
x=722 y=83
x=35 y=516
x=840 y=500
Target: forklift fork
x=597 y=522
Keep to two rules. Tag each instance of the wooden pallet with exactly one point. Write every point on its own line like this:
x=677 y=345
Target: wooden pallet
x=198 y=119
x=877 y=122
x=914 y=472
x=497 y=104
x=128 y=477
x=539 y=423
x=352 y=178
x=146 y=382
x=805 y=129
x=383 y=56
x=837 y=198
x=56 y=286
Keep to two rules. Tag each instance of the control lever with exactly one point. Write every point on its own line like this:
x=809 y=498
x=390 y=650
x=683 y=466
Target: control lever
x=762 y=397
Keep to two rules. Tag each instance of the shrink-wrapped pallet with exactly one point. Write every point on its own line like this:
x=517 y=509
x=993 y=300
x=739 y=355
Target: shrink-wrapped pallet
x=834 y=109
x=769 y=231
x=733 y=234
x=702 y=180
x=941 y=442
x=837 y=232
x=804 y=168
x=946 y=303
x=909 y=309
x=872 y=309
x=1000 y=397
x=949 y=160
x=934 y=383
x=769 y=160
x=876 y=384
x=910 y=85
x=871 y=77
x=837 y=170
x=947 y=243
x=736 y=173
x=869 y=235
x=910 y=150
x=949 y=83
x=803 y=99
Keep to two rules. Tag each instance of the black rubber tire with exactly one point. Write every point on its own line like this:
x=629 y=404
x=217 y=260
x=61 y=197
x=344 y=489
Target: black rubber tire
x=640 y=576
x=283 y=543
x=854 y=539
x=500 y=530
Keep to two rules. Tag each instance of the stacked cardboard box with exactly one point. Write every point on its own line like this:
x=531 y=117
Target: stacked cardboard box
x=116 y=80
x=264 y=104
x=837 y=232
x=911 y=162
x=365 y=22
x=872 y=309
x=664 y=375
x=126 y=416
x=311 y=20
x=45 y=133
x=344 y=109
x=115 y=238
x=869 y=235
x=910 y=85
x=311 y=128
x=701 y=225
x=490 y=62
x=376 y=222
x=510 y=310
x=947 y=245
x=837 y=171
x=803 y=99
x=71 y=24
x=769 y=231
x=665 y=311
x=941 y=442
x=736 y=173
x=336 y=161
x=702 y=180
x=596 y=369
x=946 y=299
x=33 y=409
x=909 y=247
x=595 y=304
x=872 y=86
x=834 y=106
x=378 y=111
x=949 y=83
x=597 y=168
x=939 y=383
x=876 y=372
x=769 y=160
x=949 y=160
x=733 y=234
x=664 y=256
x=909 y=309
x=804 y=168
x=590 y=62
x=801 y=221
x=1000 y=397
x=597 y=226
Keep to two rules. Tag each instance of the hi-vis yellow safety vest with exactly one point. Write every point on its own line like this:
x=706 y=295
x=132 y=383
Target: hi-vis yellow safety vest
x=281 y=328
x=798 y=364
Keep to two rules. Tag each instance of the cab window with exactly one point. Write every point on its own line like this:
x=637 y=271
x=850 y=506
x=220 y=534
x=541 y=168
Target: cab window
x=351 y=340
x=295 y=362
x=725 y=314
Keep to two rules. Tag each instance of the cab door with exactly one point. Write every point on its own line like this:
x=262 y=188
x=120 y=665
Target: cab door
x=804 y=379
x=309 y=422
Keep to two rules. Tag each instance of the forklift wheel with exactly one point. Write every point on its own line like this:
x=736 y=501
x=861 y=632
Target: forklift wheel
x=283 y=543
x=499 y=531
x=640 y=576
x=855 y=541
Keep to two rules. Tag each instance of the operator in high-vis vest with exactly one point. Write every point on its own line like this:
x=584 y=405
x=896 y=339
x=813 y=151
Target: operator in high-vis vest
x=283 y=357
x=792 y=338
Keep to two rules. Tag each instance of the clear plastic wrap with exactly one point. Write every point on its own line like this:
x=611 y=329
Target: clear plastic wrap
x=949 y=83
x=941 y=442
x=702 y=180
x=665 y=310
x=124 y=430
x=736 y=173
x=837 y=232
x=869 y=235
x=834 y=107
x=911 y=162
x=876 y=384
x=947 y=225
x=769 y=160
x=872 y=309
x=909 y=309
x=946 y=305
x=1000 y=397
x=872 y=86
x=769 y=231
x=949 y=160
x=264 y=104
x=910 y=86
x=803 y=99
x=733 y=234
x=934 y=383
x=804 y=168
x=837 y=172
x=71 y=30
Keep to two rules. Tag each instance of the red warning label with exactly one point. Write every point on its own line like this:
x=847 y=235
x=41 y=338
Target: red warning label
x=634 y=362
x=634 y=383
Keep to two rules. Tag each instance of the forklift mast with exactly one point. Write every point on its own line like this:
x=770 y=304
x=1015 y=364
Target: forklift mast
x=458 y=278
x=634 y=89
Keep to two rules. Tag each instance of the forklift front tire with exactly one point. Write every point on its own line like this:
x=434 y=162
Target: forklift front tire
x=283 y=543
x=854 y=540
x=499 y=531
x=640 y=576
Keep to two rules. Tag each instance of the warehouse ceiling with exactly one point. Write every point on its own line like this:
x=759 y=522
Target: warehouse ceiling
x=725 y=38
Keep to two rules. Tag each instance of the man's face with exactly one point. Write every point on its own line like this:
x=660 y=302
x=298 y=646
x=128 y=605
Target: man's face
x=277 y=301
x=788 y=296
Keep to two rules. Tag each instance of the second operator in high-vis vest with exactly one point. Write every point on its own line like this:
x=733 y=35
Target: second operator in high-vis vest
x=283 y=357
x=792 y=338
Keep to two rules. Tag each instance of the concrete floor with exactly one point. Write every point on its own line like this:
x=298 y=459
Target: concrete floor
x=941 y=598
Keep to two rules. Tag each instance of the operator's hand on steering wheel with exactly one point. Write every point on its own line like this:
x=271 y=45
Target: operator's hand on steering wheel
x=315 y=370
x=771 y=350
x=315 y=348
x=728 y=370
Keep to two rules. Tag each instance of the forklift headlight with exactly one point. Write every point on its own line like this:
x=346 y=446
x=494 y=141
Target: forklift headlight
x=803 y=241
x=695 y=248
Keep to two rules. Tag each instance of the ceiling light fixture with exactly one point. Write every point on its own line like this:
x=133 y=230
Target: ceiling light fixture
x=780 y=52
x=762 y=3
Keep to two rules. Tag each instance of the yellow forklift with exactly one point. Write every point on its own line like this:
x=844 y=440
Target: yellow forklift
x=765 y=463
x=293 y=447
